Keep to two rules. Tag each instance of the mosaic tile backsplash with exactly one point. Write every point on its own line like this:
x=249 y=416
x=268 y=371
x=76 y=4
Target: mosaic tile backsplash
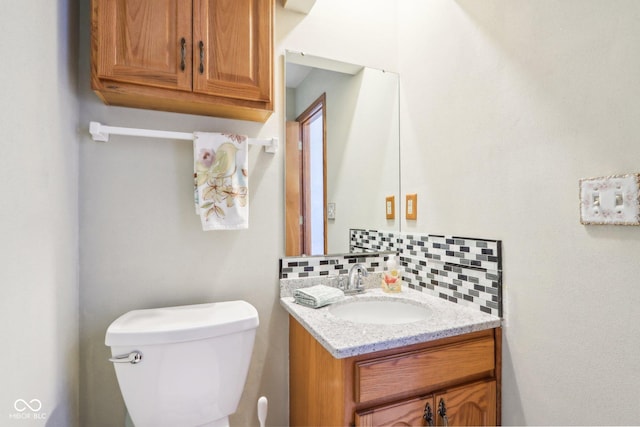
x=315 y=266
x=465 y=271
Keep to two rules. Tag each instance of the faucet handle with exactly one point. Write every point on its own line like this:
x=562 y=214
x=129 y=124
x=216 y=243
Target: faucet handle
x=341 y=282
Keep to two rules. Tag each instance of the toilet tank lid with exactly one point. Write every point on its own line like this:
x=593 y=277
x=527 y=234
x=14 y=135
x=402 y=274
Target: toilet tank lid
x=182 y=323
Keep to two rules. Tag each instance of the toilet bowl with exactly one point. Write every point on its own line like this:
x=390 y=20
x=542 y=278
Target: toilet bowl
x=183 y=366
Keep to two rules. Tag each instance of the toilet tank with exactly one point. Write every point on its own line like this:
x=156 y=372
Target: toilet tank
x=194 y=362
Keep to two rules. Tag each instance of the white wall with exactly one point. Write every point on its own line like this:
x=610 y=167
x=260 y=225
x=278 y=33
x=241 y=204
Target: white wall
x=506 y=105
x=38 y=213
x=141 y=245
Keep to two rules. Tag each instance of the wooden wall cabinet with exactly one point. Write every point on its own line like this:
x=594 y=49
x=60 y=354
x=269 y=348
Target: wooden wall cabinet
x=451 y=381
x=208 y=57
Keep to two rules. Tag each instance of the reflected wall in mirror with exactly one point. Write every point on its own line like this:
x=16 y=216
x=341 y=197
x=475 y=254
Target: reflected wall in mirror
x=342 y=152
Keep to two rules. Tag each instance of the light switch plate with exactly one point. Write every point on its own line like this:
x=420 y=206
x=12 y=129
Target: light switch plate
x=610 y=200
x=412 y=206
x=390 y=207
x=331 y=210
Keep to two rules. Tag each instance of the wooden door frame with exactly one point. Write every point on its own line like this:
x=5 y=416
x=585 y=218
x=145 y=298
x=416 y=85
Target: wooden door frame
x=316 y=107
x=293 y=188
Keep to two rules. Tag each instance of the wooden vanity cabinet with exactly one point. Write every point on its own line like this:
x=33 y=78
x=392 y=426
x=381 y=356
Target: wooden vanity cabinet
x=456 y=379
x=208 y=57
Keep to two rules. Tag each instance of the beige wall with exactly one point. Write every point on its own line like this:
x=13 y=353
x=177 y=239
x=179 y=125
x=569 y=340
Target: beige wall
x=506 y=105
x=141 y=244
x=39 y=213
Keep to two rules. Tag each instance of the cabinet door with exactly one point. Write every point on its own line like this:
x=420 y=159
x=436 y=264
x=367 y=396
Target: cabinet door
x=141 y=42
x=416 y=412
x=232 y=48
x=471 y=405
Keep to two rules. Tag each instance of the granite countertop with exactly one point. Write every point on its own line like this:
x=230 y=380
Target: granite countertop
x=344 y=338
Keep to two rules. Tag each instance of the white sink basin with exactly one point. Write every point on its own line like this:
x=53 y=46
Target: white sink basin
x=384 y=312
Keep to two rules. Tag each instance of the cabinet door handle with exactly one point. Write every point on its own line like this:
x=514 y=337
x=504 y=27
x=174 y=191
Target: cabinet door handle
x=183 y=53
x=428 y=415
x=442 y=411
x=201 y=45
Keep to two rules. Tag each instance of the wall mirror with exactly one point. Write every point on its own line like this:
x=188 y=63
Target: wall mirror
x=342 y=153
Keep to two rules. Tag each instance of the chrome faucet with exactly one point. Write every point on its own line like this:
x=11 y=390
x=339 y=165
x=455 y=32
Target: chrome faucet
x=356 y=273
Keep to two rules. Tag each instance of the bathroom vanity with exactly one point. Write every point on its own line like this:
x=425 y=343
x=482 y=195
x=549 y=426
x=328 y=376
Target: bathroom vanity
x=443 y=370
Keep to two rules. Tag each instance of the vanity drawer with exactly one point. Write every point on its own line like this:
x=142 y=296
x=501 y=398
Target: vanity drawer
x=406 y=372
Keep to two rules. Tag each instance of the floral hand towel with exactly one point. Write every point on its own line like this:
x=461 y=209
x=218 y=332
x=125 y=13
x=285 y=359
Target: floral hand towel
x=221 y=179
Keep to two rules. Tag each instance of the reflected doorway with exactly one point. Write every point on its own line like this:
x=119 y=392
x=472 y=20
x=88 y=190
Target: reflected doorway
x=306 y=182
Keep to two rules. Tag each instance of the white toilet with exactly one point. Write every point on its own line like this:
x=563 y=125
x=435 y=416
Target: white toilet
x=183 y=366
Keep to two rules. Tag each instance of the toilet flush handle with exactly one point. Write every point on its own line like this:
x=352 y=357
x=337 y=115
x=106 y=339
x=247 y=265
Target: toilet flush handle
x=133 y=358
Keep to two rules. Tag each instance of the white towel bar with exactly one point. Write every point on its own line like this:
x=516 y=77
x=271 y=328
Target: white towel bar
x=100 y=132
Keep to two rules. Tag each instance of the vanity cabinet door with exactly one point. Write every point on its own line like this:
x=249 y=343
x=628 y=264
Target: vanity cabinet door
x=416 y=412
x=470 y=405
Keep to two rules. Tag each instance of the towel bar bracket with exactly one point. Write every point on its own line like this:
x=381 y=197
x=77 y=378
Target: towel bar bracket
x=96 y=132
x=272 y=147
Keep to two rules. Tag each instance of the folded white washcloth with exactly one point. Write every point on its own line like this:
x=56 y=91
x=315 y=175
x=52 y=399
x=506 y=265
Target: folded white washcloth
x=317 y=296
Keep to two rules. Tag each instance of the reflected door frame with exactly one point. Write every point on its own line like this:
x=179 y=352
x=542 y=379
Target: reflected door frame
x=298 y=180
